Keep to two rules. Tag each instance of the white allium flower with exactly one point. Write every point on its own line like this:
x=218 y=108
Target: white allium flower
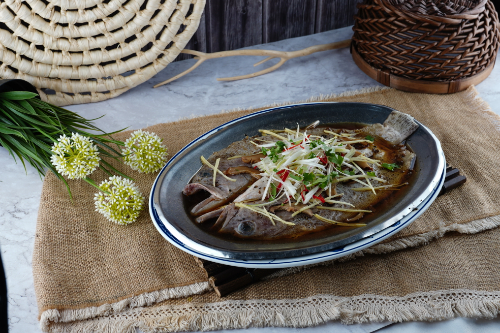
x=123 y=202
x=75 y=157
x=144 y=152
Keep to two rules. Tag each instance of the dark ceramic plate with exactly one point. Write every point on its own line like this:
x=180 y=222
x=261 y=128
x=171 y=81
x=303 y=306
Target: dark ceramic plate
x=167 y=202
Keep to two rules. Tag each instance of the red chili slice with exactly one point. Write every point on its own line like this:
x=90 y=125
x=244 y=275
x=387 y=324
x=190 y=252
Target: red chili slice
x=283 y=177
x=319 y=198
x=291 y=147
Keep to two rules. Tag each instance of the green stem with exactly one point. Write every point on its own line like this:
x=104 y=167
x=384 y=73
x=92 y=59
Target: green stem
x=91 y=182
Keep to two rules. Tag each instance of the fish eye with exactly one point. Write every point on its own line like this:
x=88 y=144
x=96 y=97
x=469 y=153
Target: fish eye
x=246 y=228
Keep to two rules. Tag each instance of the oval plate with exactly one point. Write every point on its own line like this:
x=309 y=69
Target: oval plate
x=309 y=259
x=167 y=204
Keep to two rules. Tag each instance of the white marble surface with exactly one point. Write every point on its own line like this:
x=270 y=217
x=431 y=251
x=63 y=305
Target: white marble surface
x=196 y=94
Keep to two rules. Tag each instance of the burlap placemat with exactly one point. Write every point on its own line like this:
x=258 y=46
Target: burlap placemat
x=92 y=274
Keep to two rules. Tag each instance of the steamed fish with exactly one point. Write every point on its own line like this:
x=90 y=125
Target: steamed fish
x=287 y=183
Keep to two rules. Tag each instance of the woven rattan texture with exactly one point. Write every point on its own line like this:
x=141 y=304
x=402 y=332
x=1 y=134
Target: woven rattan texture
x=431 y=40
x=91 y=50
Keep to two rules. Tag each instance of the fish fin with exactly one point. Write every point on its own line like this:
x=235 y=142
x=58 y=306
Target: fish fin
x=396 y=128
x=226 y=215
x=402 y=123
x=195 y=187
x=210 y=215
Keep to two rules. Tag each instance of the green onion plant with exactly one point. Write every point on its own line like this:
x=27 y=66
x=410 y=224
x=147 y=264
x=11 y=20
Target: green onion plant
x=29 y=127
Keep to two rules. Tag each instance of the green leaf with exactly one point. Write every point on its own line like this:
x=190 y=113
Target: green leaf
x=336 y=158
x=16 y=110
x=47 y=135
x=17 y=95
x=280 y=145
x=295 y=177
x=102 y=151
x=316 y=143
x=115 y=170
x=6 y=130
x=91 y=182
x=12 y=153
x=65 y=183
x=370 y=138
x=390 y=167
x=26 y=150
x=273 y=192
x=371 y=174
x=6 y=112
x=42 y=145
x=308 y=178
x=27 y=106
x=105 y=170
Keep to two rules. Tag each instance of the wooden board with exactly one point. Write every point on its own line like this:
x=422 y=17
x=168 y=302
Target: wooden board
x=233 y=24
x=288 y=18
x=198 y=42
x=335 y=14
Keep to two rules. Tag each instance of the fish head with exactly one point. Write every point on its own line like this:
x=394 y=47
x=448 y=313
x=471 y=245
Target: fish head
x=244 y=223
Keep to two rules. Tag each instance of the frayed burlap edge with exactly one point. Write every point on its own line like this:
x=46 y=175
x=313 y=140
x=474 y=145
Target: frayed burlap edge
x=310 y=311
x=146 y=299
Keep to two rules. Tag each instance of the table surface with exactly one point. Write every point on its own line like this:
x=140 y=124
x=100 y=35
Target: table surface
x=198 y=93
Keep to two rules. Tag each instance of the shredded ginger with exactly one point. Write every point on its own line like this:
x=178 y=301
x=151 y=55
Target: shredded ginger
x=302 y=166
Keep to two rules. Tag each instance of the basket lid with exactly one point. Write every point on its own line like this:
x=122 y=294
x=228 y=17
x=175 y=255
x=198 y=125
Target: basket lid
x=446 y=11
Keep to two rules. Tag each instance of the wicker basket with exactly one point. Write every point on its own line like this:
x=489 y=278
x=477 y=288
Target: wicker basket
x=429 y=46
x=83 y=51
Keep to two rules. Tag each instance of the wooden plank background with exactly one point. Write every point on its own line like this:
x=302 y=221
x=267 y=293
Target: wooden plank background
x=233 y=24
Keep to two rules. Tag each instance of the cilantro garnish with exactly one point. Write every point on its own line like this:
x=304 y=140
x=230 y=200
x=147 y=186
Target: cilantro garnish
x=273 y=192
x=295 y=177
x=280 y=145
x=370 y=138
x=371 y=174
x=327 y=180
x=316 y=143
x=335 y=158
x=390 y=167
x=311 y=179
x=273 y=152
x=307 y=178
